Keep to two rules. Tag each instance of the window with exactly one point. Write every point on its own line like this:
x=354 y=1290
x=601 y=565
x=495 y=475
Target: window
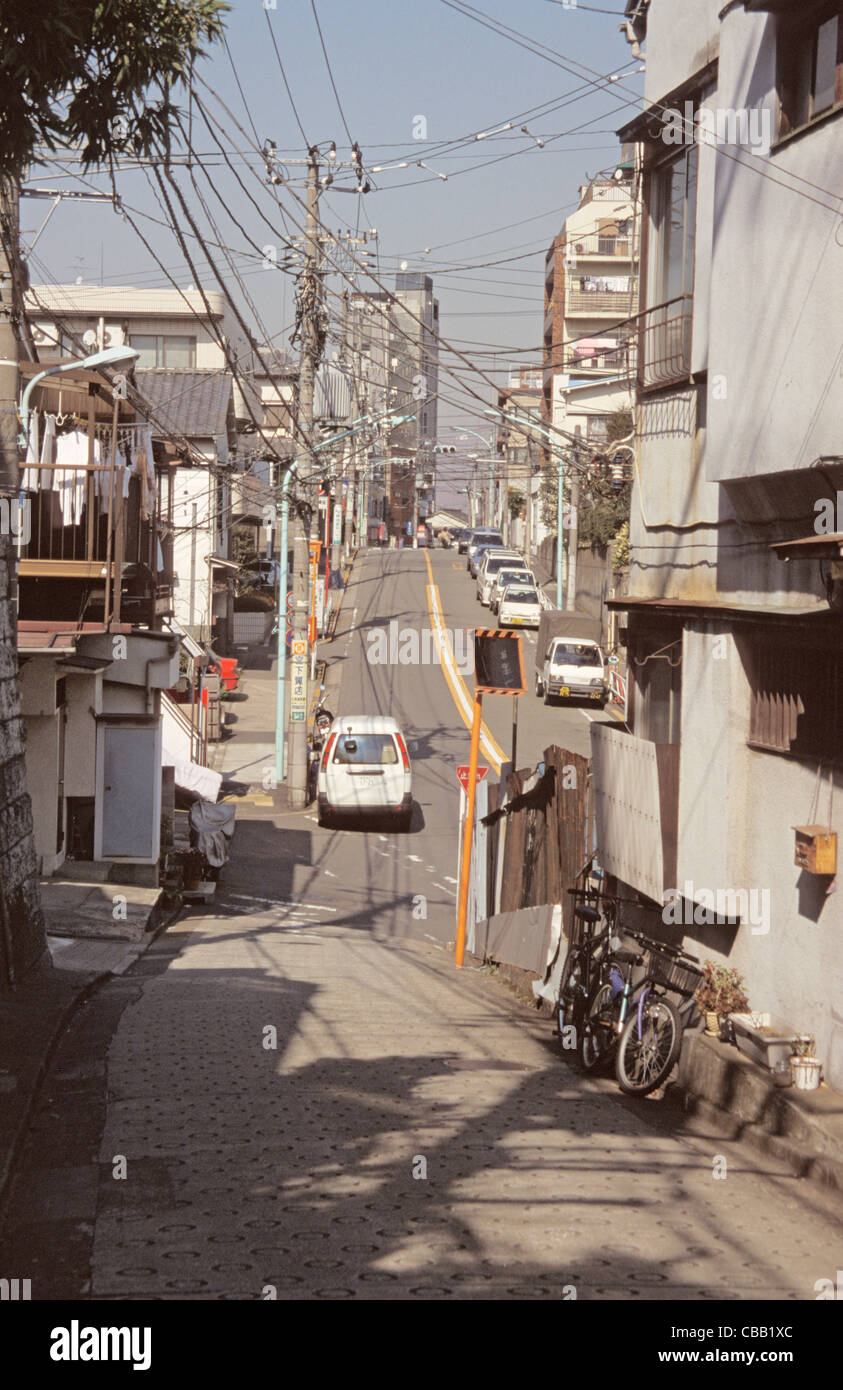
x=656 y=669
x=164 y=350
x=666 y=324
x=597 y=427
x=796 y=704
x=366 y=748
x=810 y=65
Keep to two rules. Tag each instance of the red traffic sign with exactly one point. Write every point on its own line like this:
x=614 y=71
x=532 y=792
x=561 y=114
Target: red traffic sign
x=462 y=774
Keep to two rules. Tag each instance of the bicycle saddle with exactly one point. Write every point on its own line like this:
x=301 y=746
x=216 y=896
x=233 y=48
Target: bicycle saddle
x=627 y=957
x=586 y=913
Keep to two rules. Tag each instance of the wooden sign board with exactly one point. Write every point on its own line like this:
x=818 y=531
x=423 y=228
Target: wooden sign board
x=498 y=662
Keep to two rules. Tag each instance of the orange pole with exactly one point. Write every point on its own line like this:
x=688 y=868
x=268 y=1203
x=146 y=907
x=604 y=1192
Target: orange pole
x=471 y=793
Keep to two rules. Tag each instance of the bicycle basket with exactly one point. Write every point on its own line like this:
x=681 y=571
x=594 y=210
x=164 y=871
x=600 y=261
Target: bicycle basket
x=680 y=976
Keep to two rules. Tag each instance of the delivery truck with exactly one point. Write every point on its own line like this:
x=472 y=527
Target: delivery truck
x=569 y=662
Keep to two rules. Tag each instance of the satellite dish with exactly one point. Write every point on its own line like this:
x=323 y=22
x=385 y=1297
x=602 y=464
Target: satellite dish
x=404 y=265
x=89 y=338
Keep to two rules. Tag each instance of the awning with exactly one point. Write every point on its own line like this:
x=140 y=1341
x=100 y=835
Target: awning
x=716 y=608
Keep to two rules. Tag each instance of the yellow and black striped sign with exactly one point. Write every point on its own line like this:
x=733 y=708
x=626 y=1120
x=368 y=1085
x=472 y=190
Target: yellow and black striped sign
x=498 y=662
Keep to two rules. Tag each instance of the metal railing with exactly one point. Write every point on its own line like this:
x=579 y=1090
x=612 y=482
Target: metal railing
x=580 y=299
x=664 y=332
x=597 y=245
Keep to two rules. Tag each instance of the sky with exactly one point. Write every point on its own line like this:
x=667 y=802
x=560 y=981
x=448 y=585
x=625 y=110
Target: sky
x=401 y=68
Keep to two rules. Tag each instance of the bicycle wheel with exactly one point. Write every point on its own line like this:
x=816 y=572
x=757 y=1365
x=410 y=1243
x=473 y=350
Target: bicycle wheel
x=570 y=1006
x=644 y=1061
x=596 y=1037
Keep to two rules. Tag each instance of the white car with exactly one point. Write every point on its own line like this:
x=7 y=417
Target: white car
x=364 y=769
x=572 y=669
x=505 y=577
x=519 y=606
x=493 y=562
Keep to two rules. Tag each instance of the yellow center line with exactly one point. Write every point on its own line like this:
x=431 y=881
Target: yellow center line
x=462 y=697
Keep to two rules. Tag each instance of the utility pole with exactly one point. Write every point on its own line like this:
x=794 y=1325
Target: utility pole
x=573 y=537
x=310 y=300
x=9 y=349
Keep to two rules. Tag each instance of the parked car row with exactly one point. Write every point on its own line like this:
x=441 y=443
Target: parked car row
x=505 y=583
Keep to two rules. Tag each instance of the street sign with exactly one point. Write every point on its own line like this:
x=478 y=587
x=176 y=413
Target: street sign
x=298 y=681
x=463 y=771
x=337 y=533
x=498 y=664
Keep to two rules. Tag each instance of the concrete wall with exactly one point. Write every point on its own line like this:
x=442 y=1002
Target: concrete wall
x=737 y=807
x=20 y=908
x=778 y=354
x=682 y=37
x=84 y=694
x=42 y=741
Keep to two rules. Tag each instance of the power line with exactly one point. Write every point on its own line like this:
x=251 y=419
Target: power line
x=330 y=73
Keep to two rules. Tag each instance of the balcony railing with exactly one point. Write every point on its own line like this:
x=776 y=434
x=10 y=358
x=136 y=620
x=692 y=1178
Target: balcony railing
x=589 y=295
x=69 y=535
x=664 y=341
x=597 y=245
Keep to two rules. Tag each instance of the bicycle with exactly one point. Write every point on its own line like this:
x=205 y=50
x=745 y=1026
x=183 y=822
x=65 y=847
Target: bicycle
x=588 y=953
x=651 y=1038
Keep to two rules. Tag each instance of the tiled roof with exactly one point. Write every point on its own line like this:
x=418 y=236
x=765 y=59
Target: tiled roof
x=190 y=403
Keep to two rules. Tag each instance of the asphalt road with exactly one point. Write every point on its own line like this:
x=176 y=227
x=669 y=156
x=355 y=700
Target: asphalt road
x=392 y=657
x=295 y=1095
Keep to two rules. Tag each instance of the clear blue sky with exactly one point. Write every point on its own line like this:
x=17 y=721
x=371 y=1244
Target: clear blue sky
x=392 y=62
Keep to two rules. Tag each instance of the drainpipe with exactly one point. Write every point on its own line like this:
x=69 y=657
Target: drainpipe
x=281 y=690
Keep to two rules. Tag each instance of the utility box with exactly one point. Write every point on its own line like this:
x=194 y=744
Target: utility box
x=816 y=849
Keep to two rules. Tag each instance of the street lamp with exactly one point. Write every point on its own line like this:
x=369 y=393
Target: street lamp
x=550 y=437
x=108 y=357
x=490 y=446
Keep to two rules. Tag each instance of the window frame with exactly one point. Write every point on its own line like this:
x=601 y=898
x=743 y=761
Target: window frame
x=789 y=697
x=793 y=32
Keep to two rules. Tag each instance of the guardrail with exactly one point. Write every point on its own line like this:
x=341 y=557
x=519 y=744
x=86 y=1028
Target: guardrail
x=617 y=686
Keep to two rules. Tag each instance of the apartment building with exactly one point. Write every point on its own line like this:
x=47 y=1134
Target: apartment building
x=735 y=611
x=413 y=391
x=93 y=656
x=520 y=451
x=199 y=413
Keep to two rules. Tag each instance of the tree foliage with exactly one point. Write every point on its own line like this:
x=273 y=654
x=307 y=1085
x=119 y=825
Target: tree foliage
x=78 y=73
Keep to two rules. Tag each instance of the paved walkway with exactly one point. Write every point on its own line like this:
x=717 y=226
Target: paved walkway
x=298 y=1106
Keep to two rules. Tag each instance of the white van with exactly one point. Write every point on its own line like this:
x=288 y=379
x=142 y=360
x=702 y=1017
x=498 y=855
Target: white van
x=493 y=562
x=364 y=769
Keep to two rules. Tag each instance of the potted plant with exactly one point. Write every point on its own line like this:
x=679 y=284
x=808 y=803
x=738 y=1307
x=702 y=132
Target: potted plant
x=804 y=1063
x=192 y=868
x=720 y=993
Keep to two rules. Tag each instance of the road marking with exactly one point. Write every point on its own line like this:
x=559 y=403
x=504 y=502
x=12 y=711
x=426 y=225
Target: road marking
x=454 y=680
x=445 y=890
x=451 y=880
x=414 y=858
x=282 y=902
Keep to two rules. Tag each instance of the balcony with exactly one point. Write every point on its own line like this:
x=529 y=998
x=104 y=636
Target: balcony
x=70 y=536
x=599 y=247
x=664 y=342
x=591 y=296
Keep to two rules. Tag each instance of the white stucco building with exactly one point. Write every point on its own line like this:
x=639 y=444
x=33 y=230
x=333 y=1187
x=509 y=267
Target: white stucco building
x=735 y=614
